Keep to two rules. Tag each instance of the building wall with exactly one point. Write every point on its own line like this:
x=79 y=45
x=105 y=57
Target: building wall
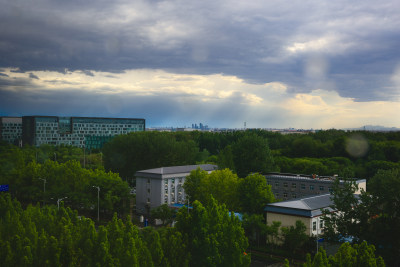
x=314 y=225
x=82 y=132
x=153 y=192
x=362 y=184
x=11 y=129
x=289 y=220
x=292 y=188
x=286 y=187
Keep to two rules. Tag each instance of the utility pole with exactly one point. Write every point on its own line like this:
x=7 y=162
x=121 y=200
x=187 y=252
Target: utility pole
x=58 y=202
x=44 y=188
x=98 y=202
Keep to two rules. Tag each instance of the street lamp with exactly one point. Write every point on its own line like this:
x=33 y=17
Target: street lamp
x=58 y=202
x=98 y=202
x=44 y=188
x=55 y=156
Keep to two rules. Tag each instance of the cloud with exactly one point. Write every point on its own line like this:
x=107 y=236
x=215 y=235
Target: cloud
x=172 y=99
x=33 y=76
x=259 y=42
x=264 y=62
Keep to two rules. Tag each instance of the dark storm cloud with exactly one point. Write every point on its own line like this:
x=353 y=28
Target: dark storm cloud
x=161 y=109
x=88 y=73
x=33 y=76
x=260 y=41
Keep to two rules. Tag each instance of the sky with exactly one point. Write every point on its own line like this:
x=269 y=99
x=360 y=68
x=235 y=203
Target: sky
x=272 y=64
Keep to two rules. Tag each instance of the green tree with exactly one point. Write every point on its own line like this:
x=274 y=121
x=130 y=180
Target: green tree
x=222 y=185
x=164 y=213
x=294 y=236
x=254 y=193
x=152 y=241
x=255 y=227
x=174 y=248
x=214 y=237
x=251 y=153
x=193 y=184
x=225 y=158
x=126 y=154
x=372 y=216
x=347 y=255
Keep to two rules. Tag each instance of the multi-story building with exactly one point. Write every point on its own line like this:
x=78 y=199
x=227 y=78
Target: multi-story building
x=11 y=129
x=85 y=132
x=158 y=186
x=291 y=186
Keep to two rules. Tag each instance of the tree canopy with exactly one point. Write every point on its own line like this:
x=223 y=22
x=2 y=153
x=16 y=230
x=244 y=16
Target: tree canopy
x=249 y=194
x=214 y=236
x=374 y=216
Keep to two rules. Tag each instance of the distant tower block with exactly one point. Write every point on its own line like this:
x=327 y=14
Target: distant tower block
x=245 y=125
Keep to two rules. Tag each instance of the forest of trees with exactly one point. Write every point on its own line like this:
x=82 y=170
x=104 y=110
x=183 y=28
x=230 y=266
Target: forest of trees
x=46 y=236
x=347 y=154
x=44 y=175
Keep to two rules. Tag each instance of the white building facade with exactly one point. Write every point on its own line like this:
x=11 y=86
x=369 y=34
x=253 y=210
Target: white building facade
x=155 y=187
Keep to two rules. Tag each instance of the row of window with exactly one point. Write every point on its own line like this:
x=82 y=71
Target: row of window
x=302 y=186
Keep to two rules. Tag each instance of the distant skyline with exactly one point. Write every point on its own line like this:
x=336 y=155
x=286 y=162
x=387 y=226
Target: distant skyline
x=271 y=64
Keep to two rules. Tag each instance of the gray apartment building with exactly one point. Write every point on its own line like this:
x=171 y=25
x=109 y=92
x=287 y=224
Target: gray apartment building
x=84 y=132
x=291 y=186
x=155 y=187
x=11 y=130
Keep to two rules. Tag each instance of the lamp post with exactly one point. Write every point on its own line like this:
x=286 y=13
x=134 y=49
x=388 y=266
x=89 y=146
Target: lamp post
x=58 y=202
x=44 y=188
x=55 y=156
x=98 y=202
x=188 y=204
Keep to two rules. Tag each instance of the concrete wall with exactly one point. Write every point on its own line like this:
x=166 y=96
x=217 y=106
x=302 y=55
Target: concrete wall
x=290 y=220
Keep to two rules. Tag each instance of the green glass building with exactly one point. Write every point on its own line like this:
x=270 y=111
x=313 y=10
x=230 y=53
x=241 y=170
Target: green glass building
x=84 y=132
x=11 y=130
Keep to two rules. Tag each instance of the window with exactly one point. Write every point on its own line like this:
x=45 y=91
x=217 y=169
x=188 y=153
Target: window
x=321 y=224
x=148 y=200
x=285 y=184
x=284 y=195
x=294 y=185
x=330 y=189
x=314 y=226
x=321 y=188
x=276 y=184
x=311 y=187
x=148 y=190
x=148 y=180
x=303 y=186
x=294 y=196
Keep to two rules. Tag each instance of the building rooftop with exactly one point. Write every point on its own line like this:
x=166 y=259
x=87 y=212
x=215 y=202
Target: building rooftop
x=309 y=177
x=308 y=206
x=176 y=169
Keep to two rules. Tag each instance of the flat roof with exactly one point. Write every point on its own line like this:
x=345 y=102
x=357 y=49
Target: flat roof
x=160 y=172
x=310 y=177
